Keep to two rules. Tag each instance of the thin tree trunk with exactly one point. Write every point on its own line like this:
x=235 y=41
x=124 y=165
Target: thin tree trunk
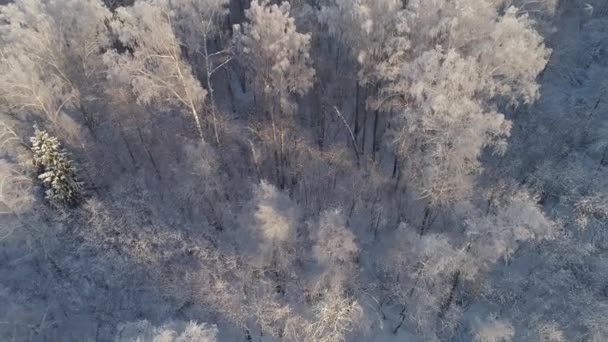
x=210 y=90
x=376 y=226
x=352 y=136
x=450 y=299
x=145 y=146
x=277 y=162
x=409 y=295
x=86 y=170
x=374 y=135
x=319 y=120
x=190 y=103
x=228 y=76
x=124 y=137
x=364 y=135
x=282 y=162
x=395 y=166
x=198 y=123
x=243 y=82
x=402 y=315
x=603 y=160
x=87 y=120
x=357 y=128
x=426 y=219
x=213 y=114
x=337 y=58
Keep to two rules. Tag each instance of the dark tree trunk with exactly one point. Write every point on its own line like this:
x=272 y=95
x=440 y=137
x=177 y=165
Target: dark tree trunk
x=145 y=146
x=129 y=150
x=448 y=302
x=88 y=120
x=395 y=167
x=426 y=219
x=357 y=128
x=364 y=134
x=374 y=135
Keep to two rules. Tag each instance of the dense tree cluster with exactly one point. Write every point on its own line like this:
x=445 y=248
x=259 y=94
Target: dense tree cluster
x=303 y=170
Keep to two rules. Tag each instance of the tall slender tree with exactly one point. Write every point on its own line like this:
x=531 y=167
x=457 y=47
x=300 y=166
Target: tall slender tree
x=276 y=58
x=152 y=64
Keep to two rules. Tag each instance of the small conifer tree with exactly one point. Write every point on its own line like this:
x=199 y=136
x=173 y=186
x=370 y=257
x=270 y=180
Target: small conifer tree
x=55 y=169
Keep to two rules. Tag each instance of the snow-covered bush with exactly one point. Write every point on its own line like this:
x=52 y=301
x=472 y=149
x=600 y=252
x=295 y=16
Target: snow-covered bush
x=334 y=245
x=144 y=331
x=493 y=330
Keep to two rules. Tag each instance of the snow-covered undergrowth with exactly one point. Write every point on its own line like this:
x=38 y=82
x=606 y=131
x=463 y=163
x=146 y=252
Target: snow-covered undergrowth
x=310 y=170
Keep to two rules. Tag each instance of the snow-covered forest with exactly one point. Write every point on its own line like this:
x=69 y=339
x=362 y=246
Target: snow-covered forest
x=305 y=170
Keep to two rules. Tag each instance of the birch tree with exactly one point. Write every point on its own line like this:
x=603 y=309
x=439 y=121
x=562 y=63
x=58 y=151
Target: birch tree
x=335 y=245
x=363 y=27
x=334 y=318
x=152 y=66
x=450 y=71
x=336 y=312
x=16 y=186
x=32 y=75
x=274 y=54
x=336 y=250
x=274 y=221
x=276 y=57
x=51 y=56
x=197 y=23
x=430 y=270
x=85 y=36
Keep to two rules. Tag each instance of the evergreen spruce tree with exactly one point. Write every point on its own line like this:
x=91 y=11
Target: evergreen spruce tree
x=55 y=169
